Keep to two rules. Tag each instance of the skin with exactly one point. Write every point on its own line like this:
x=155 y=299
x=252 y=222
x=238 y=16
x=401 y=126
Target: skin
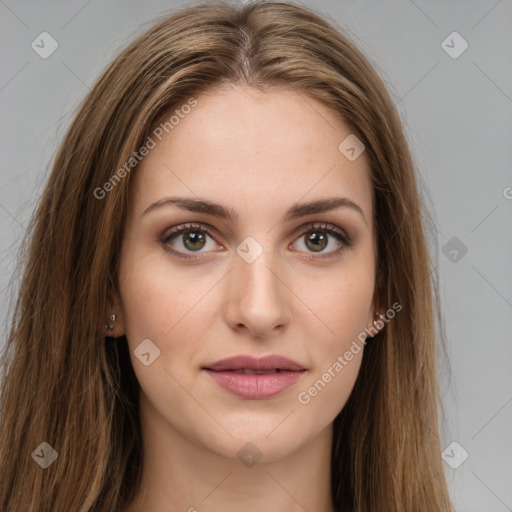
x=257 y=153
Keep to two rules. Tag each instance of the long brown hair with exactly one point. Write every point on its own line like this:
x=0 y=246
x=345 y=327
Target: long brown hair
x=66 y=384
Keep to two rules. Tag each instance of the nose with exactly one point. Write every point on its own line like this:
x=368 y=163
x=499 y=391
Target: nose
x=257 y=297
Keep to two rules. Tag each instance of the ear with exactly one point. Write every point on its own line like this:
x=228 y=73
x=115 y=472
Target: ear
x=377 y=309
x=114 y=307
x=374 y=321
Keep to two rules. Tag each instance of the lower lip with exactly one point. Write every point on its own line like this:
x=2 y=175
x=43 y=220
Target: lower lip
x=256 y=386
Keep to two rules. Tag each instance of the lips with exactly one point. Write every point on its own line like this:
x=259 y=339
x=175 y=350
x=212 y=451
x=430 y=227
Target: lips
x=253 y=378
x=264 y=364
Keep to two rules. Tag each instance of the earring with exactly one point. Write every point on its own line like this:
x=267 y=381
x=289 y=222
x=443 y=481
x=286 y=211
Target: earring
x=381 y=319
x=110 y=327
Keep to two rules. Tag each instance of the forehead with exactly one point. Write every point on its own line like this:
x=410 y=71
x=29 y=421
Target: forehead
x=254 y=151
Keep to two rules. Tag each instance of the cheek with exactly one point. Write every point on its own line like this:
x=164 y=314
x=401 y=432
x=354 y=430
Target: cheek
x=158 y=305
x=156 y=297
x=330 y=384
x=168 y=306
x=340 y=305
x=342 y=313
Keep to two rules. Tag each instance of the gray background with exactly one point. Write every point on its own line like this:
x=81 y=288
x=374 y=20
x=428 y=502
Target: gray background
x=457 y=114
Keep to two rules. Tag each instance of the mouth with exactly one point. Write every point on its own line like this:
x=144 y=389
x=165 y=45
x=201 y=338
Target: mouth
x=249 y=371
x=245 y=363
x=252 y=378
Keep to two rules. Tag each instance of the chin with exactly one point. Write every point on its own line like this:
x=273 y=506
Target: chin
x=265 y=444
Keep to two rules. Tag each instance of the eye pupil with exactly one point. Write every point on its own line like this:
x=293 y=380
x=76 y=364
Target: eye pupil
x=319 y=241
x=194 y=237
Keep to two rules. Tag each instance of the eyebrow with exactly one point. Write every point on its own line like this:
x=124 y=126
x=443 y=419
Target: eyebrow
x=217 y=210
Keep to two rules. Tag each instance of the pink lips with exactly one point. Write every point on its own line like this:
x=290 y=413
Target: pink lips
x=253 y=378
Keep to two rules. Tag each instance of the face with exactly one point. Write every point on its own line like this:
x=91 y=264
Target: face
x=265 y=279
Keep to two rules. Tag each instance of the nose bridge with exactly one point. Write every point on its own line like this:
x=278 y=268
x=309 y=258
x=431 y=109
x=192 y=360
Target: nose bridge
x=256 y=292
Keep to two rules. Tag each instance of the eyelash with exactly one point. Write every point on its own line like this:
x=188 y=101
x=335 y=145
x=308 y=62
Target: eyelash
x=330 y=229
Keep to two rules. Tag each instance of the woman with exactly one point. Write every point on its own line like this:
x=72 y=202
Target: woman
x=227 y=298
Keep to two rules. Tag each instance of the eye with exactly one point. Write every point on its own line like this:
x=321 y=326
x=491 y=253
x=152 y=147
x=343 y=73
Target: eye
x=320 y=236
x=194 y=237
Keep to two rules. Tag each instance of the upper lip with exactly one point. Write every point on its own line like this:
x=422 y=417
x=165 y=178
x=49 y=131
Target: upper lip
x=241 y=362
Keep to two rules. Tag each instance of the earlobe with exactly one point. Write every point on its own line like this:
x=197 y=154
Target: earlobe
x=114 y=326
x=378 y=323
x=110 y=325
